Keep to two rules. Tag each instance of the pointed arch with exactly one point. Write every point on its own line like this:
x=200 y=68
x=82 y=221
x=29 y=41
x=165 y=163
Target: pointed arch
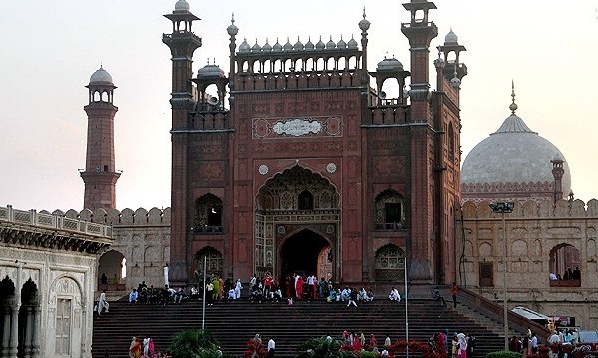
x=208 y=214
x=389 y=211
x=390 y=263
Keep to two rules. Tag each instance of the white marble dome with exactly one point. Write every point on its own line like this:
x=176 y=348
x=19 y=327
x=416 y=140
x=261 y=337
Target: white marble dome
x=513 y=154
x=100 y=76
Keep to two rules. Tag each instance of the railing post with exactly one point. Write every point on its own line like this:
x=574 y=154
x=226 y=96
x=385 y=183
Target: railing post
x=33 y=218
x=11 y=213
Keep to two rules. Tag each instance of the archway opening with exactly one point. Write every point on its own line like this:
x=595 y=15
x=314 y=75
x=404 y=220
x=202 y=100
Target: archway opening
x=7 y=293
x=27 y=319
x=212 y=258
x=110 y=271
x=301 y=252
x=564 y=265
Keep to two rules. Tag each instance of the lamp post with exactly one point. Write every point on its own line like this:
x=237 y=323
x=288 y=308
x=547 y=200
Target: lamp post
x=504 y=208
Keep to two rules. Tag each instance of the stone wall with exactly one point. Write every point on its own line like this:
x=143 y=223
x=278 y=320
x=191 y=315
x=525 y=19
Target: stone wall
x=533 y=231
x=142 y=237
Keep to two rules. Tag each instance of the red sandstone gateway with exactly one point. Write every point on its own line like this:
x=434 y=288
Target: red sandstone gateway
x=293 y=163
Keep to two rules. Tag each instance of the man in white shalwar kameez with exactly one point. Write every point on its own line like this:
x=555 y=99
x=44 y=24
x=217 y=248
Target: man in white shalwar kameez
x=102 y=303
x=238 y=288
x=394 y=295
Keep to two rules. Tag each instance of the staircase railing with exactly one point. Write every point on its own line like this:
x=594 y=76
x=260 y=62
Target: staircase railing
x=495 y=311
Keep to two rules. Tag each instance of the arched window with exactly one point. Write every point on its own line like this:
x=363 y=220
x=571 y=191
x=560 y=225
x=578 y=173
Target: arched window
x=564 y=266
x=212 y=258
x=390 y=264
x=390 y=213
x=208 y=214
x=306 y=200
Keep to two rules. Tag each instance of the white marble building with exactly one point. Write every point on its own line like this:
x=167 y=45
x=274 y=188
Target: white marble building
x=47 y=282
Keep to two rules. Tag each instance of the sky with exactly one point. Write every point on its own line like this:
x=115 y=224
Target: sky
x=49 y=49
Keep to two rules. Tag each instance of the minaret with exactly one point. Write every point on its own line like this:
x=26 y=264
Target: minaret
x=557 y=172
x=100 y=176
x=420 y=32
x=182 y=43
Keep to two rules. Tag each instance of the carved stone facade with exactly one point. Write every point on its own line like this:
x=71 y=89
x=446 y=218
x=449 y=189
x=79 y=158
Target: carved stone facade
x=47 y=283
x=542 y=239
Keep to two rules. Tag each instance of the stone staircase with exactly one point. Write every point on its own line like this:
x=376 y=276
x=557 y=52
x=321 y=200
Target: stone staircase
x=233 y=323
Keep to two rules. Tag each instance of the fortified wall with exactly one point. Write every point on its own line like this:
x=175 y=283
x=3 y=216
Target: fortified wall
x=142 y=238
x=541 y=238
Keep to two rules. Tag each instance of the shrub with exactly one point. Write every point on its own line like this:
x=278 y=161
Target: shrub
x=504 y=354
x=195 y=343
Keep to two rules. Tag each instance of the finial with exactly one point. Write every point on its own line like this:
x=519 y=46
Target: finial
x=232 y=20
x=214 y=60
x=208 y=61
x=513 y=106
x=364 y=12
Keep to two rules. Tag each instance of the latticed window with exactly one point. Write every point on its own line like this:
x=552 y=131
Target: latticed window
x=390 y=264
x=208 y=216
x=63 y=327
x=214 y=263
x=389 y=211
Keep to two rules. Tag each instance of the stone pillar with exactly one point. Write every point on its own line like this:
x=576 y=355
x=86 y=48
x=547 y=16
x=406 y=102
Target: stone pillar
x=6 y=331
x=36 y=329
x=28 y=332
x=14 y=331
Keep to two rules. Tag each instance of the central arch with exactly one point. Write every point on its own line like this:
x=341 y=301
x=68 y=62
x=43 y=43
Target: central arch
x=297 y=215
x=300 y=253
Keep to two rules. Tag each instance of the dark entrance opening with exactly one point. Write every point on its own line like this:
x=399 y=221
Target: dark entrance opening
x=300 y=252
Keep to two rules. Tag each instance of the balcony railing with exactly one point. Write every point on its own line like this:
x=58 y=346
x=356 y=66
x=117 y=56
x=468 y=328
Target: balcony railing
x=390 y=226
x=205 y=229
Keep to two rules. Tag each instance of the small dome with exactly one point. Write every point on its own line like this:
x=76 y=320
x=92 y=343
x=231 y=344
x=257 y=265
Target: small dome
x=288 y=46
x=101 y=76
x=267 y=47
x=309 y=45
x=389 y=65
x=210 y=71
x=181 y=5
x=341 y=44
x=320 y=45
x=364 y=24
x=277 y=46
x=256 y=47
x=244 y=47
x=232 y=29
x=298 y=45
x=330 y=44
x=352 y=43
x=451 y=38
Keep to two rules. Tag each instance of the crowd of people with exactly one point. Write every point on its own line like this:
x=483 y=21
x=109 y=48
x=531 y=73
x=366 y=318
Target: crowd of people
x=568 y=274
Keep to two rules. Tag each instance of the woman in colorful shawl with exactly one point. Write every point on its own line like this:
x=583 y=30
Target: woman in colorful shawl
x=135 y=348
x=299 y=287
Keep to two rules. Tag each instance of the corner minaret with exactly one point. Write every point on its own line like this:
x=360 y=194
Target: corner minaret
x=100 y=175
x=182 y=43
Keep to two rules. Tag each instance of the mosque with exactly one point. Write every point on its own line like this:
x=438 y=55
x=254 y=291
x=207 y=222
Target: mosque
x=297 y=160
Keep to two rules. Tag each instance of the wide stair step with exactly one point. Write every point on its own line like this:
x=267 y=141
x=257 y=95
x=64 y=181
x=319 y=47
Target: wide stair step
x=233 y=323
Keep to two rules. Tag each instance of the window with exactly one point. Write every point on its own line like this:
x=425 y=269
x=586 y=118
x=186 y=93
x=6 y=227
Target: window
x=393 y=212
x=105 y=168
x=390 y=214
x=63 y=327
x=208 y=216
x=306 y=200
x=486 y=274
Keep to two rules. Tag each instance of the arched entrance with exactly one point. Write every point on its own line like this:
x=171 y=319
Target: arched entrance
x=297 y=217
x=300 y=253
x=110 y=271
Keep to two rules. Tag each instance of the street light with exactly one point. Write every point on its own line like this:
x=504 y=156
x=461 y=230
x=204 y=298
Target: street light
x=504 y=208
